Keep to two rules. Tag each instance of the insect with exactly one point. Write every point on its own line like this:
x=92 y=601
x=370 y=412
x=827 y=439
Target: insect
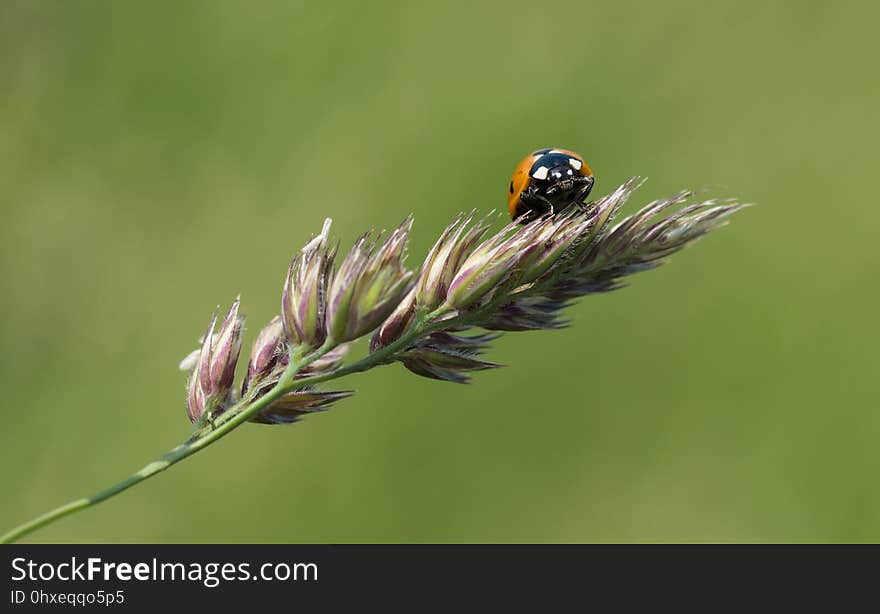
x=547 y=181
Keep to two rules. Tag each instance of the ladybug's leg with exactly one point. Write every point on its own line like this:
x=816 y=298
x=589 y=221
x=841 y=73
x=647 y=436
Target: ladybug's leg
x=583 y=190
x=532 y=205
x=534 y=200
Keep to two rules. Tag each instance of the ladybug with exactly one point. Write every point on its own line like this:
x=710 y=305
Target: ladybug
x=547 y=181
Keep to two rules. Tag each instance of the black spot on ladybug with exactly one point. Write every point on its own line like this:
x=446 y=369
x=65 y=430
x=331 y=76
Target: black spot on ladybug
x=511 y=187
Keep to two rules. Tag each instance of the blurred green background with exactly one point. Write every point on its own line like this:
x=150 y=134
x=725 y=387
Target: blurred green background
x=158 y=158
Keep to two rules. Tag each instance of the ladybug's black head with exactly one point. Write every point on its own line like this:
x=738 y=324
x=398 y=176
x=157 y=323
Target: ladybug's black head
x=557 y=181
